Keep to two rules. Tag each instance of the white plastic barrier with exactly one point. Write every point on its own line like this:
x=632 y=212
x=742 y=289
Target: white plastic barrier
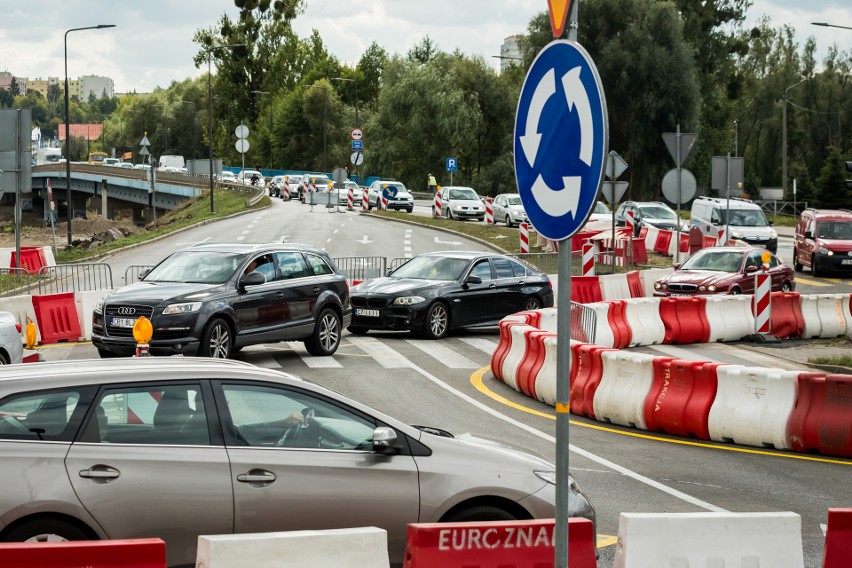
x=646 y=325
x=832 y=315
x=810 y=315
x=517 y=352
x=730 y=317
x=651 y=238
x=6 y=257
x=753 y=406
x=704 y=540
x=625 y=383
x=85 y=303
x=651 y=275
x=364 y=547
x=21 y=307
x=545 y=380
x=602 y=332
x=548 y=319
x=48 y=256
x=614 y=287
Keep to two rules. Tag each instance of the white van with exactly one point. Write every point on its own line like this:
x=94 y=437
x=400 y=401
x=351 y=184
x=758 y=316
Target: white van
x=747 y=221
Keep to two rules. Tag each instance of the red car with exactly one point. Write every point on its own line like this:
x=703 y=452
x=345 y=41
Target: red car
x=724 y=270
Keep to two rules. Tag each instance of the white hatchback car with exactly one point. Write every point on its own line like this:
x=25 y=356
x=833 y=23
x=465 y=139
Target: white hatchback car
x=459 y=202
x=11 y=347
x=508 y=208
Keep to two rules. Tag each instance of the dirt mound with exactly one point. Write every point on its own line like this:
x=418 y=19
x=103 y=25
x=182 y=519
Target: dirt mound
x=36 y=231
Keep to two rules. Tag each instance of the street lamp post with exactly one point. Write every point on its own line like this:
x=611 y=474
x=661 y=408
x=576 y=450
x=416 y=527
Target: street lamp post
x=70 y=207
x=210 y=113
x=827 y=25
x=784 y=137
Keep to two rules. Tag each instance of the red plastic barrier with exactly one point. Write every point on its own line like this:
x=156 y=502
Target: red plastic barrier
x=580 y=238
x=585 y=289
x=643 y=230
x=532 y=362
x=684 y=242
x=664 y=239
x=32 y=259
x=680 y=398
x=586 y=371
x=685 y=320
x=503 y=347
x=696 y=240
x=634 y=284
x=497 y=544
x=785 y=319
x=820 y=420
x=640 y=253
x=56 y=316
x=838 y=539
x=136 y=553
x=617 y=317
x=709 y=242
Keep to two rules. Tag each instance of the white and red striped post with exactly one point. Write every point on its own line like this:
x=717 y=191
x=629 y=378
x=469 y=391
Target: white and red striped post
x=762 y=304
x=438 y=205
x=589 y=250
x=286 y=190
x=384 y=203
x=630 y=223
x=524 y=231
x=350 y=199
x=489 y=211
x=720 y=238
x=365 y=200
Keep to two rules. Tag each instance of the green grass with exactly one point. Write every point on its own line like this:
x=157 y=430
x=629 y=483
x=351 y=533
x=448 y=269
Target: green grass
x=838 y=361
x=228 y=202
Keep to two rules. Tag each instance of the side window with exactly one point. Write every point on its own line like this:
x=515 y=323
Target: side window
x=754 y=260
x=264 y=265
x=153 y=415
x=715 y=217
x=278 y=417
x=773 y=261
x=518 y=269
x=503 y=268
x=318 y=265
x=44 y=415
x=292 y=265
x=482 y=269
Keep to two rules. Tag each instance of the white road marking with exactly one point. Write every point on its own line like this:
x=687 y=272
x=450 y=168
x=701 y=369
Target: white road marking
x=310 y=360
x=443 y=354
x=386 y=356
x=481 y=343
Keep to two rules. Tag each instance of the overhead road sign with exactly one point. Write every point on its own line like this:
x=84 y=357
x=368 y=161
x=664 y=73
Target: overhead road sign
x=560 y=141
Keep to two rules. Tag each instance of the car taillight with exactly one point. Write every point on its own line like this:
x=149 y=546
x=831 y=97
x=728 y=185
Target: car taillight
x=18 y=326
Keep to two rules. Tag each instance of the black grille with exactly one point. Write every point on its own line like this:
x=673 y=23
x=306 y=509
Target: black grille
x=363 y=302
x=682 y=287
x=115 y=310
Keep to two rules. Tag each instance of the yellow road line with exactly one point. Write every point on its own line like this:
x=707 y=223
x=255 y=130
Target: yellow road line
x=809 y=282
x=67 y=344
x=478 y=384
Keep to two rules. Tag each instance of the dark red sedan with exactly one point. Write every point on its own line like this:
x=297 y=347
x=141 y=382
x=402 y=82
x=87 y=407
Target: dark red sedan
x=724 y=270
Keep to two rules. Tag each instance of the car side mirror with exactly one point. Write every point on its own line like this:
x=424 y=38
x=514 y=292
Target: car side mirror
x=471 y=279
x=750 y=269
x=676 y=265
x=809 y=234
x=144 y=273
x=252 y=279
x=383 y=440
x=771 y=223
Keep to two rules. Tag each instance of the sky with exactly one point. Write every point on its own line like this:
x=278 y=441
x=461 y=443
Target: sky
x=152 y=43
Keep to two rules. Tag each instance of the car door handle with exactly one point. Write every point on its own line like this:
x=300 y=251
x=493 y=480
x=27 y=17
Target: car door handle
x=492 y=286
x=279 y=295
x=316 y=289
x=257 y=476
x=100 y=472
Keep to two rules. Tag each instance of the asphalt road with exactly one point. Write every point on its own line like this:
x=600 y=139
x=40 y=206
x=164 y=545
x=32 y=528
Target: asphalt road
x=447 y=384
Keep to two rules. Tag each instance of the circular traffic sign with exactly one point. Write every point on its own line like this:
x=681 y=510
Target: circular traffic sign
x=242 y=131
x=561 y=129
x=357 y=158
x=242 y=145
x=688 y=186
x=356 y=134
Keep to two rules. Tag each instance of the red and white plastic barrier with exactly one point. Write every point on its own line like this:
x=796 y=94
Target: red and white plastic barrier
x=762 y=302
x=365 y=200
x=32 y=259
x=524 y=234
x=489 y=211
x=437 y=207
x=350 y=199
x=624 y=386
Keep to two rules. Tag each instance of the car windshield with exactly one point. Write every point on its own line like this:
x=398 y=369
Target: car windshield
x=656 y=212
x=720 y=261
x=204 y=267
x=601 y=208
x=463 y=194
x=432 y=268
x=514 y=200
x=834 y=230
x=745 y=218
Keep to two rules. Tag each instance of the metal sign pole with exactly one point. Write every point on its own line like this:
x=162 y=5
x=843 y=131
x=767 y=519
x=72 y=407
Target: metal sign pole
x=677 y=221
x=728 y=202
x=614 y=201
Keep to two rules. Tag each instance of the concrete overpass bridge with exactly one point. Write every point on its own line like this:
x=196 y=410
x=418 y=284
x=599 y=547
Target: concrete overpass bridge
x=107 y=189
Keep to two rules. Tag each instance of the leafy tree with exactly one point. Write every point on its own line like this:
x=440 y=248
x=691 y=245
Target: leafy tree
x=831 y=184
x=7 y=99
x=424 y=51
x=371 y=68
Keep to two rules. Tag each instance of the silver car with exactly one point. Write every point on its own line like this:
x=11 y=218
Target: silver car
x=508 y=208
x=11 y=347
x=178 y=447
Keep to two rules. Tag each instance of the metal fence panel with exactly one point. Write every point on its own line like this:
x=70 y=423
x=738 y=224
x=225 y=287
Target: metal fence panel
x=361 y=267
x=134 y=272
x=15 y=281
x=583 y=323
x=74 y=278
x=397 y=262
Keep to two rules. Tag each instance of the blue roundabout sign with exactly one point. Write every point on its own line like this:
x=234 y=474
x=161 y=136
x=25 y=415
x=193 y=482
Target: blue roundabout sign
x=561 y=130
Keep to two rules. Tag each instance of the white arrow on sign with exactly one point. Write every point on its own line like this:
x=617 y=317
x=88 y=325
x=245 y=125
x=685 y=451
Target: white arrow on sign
x=364 y=241
x=440 y=242
x=558 y=202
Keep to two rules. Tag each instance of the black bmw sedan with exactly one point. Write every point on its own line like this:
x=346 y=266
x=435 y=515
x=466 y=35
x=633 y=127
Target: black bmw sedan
x=433 y=293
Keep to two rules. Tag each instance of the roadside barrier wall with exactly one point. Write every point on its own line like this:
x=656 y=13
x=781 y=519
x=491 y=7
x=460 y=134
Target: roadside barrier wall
x=32 y=258
x=135 y=553
x=838 y=539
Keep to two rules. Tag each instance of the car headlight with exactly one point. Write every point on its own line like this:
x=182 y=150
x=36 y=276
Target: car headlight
x=736 y=234
x=408 y=300
x=186 y=308
x=825 y=251
x=548 y=477
x=711 y=288
x=773 y=234
x=659 y=285
x=99 y=307
x=702 y=288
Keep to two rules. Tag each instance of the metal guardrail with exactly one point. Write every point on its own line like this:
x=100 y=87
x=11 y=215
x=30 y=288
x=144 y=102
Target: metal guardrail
x=134 y=272
x=361 y=267
x=583 y=323
x=397 y=262
x=14 y=281
x=64 y=278
x=789 y=208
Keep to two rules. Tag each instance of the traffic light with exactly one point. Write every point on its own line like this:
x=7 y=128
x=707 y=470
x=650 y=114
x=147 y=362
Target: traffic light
x=849 y=181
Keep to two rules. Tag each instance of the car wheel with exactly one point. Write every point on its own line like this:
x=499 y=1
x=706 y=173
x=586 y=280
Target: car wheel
x=481 y=513
x=450 y=215
x=786 y=287
x=735 y=291
x=357 y=330
x=216 y=341
x=509 y=222
x=47 y=530
x=532 y=304
x=106 y=354
x=437 y=322
x=797 y=266
x=4 y=359
x=410 y=210
x=815 y=270
x=326 y=336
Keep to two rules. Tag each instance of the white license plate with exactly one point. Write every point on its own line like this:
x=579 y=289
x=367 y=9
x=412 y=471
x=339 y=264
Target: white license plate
x=846 y=261
x=122 y=322
x=367 y=313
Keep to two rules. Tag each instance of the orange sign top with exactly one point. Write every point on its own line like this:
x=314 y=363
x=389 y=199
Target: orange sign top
x=558 y=15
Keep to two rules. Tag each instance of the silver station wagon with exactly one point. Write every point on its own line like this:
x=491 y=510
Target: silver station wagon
x=177 y=447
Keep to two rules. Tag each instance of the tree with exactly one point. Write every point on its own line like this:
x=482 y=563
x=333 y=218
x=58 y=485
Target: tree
x=424 y=51
x=371 y=67
x=831 y=184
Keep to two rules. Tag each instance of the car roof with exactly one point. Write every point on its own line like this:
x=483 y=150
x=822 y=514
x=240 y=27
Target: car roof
x=56 y=374
x=734 y=249
x=462 y=254
x=829 y=214
x=254 y=247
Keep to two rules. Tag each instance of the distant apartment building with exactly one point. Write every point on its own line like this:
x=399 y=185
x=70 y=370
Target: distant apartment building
x=510 y=52
x=98 y=86
x=6 y=80
x=40 y=85
x=79 y=88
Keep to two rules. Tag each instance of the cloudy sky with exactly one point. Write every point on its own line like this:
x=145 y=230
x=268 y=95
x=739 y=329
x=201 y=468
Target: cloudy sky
x=152 y=43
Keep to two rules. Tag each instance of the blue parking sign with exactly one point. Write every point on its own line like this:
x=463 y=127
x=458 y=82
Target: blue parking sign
x=452 y=164
x=357 y=144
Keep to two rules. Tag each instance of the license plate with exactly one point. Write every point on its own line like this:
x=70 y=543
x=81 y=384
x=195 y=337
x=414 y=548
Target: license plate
x=367 y=313
x=846 y=261
x=122 y=322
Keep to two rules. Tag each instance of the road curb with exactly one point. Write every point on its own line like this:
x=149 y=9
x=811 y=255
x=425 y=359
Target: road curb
x=492 y=246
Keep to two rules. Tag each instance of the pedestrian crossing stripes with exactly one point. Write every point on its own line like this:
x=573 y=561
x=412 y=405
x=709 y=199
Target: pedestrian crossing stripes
x=443 y=354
